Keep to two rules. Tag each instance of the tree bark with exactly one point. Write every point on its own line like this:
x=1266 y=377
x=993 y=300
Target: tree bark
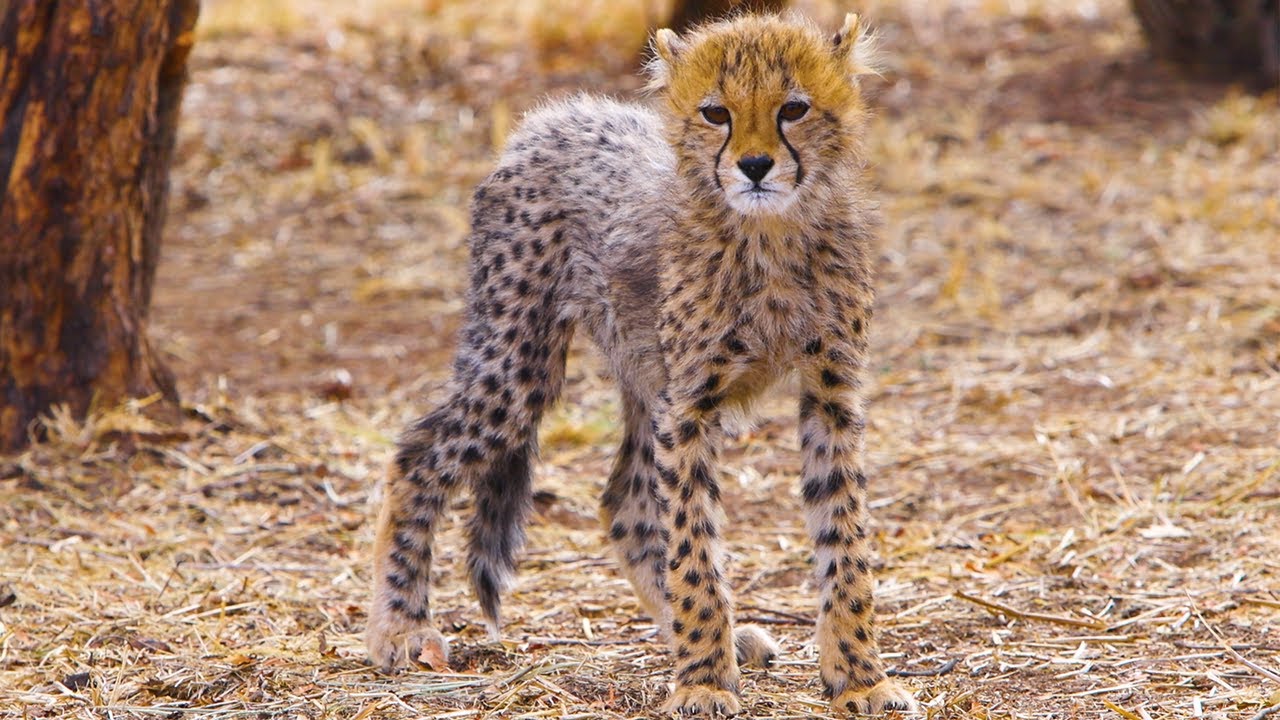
x=688 y=13
x=1230 y=39
x=89 y=96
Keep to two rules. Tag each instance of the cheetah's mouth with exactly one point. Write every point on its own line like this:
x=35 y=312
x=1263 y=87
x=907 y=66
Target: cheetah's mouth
x=760 y=198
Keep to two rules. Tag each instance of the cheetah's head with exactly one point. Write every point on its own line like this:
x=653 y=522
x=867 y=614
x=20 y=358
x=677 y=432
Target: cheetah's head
x=762 y=110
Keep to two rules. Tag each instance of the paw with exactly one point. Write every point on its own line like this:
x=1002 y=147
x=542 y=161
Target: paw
x=700 y=699
x=884 y=695
x=398 y=643
x=754 y=646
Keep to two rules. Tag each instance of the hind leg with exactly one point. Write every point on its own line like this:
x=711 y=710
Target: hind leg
x=484 y=437
x=632 y=511
x=419 y=486
x=503 y=488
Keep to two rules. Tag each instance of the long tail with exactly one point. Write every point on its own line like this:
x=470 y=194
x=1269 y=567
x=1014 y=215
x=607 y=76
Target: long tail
x=521 y=313
x=495 y=533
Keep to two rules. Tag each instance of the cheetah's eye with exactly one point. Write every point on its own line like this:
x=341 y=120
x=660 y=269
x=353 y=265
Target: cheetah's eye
x=793 y=110
x=716 y=114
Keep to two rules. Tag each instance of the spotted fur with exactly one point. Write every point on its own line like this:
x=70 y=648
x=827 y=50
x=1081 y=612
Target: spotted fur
x=707 y=253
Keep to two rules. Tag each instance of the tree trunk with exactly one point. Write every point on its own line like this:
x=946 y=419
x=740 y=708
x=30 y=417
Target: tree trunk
x=1231 y=39
x=688 y=13
x=89 y=95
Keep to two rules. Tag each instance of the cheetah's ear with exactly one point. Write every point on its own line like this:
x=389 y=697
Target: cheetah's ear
x=855 y=44
x=667 y=49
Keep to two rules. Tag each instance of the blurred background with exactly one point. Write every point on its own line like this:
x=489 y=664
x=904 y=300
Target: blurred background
x=1075 y=398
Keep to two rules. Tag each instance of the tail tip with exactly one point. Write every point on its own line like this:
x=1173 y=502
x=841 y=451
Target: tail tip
x=488 y=590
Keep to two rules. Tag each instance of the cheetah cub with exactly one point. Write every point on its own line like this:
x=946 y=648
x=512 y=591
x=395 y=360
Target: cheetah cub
x=708 y=248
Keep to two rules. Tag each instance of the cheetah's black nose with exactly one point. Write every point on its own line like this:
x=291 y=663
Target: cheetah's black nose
x=755 y=167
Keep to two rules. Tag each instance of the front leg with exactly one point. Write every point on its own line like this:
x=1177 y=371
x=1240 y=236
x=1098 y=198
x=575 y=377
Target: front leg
x=701 y=617
x=835 y=499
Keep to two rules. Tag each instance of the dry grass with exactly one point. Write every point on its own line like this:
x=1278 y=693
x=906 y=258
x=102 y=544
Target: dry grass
x=1075 y=412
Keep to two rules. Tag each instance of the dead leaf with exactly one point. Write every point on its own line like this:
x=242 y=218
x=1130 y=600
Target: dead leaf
x=75 y=681
x=433 y=657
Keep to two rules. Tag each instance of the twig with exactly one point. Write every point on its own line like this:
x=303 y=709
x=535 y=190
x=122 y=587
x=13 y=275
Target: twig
x=1266 y=712
x=1014 y=612
x=796 y=619
x=573 y=642
x=1240 y=646
x=759 y=620
x=942 y=669
x=1126 y=714
x=1269 y=674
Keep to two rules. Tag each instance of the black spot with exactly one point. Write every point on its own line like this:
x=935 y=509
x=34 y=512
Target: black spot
x=829 y=537
x=818 y=489
x=813 y=347
x=831 y=379
x=618 y=531
x=695 y=635
x=693 y=578
x=807 y=403
x=709 y=402
x=688 y=430
x=471 y=454
x=838 y=413
x=703 y=528
x=669 y=478
x=702 y=476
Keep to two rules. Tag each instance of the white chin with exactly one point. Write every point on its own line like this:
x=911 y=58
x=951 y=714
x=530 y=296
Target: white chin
x=760 y=203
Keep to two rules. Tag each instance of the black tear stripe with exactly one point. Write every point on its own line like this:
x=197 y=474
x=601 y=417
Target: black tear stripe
x=794 y=155
x=715 y=171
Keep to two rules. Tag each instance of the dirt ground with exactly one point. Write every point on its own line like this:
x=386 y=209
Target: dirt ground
x=1074 y=419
